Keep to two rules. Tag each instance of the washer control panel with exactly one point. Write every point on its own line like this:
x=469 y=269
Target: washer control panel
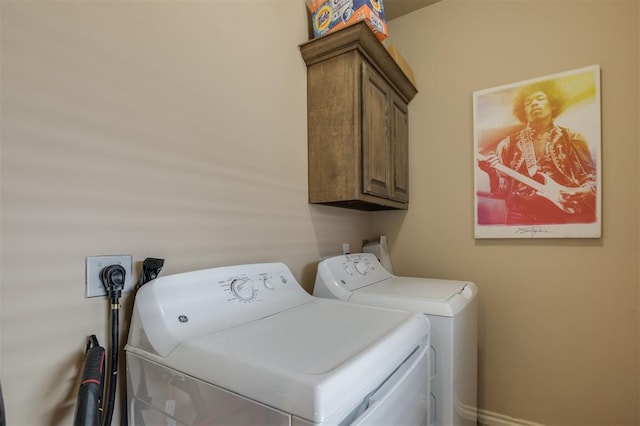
x=353 y=271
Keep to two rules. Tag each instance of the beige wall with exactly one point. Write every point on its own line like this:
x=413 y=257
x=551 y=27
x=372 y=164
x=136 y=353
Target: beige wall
x=558 y=318
x=178 y=130
x=156 y=129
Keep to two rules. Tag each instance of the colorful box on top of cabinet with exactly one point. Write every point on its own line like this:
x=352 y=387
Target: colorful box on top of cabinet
x=331 y=15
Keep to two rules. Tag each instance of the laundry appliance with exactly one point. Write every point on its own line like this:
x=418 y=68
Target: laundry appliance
x=451 y=307
x=247 y=345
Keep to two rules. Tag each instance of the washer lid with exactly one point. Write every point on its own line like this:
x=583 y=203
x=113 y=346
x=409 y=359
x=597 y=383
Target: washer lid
x=420 y=288
x=316 y=361
x=428 y=295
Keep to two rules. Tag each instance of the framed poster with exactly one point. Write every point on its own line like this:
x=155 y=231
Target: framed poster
x=537 y=162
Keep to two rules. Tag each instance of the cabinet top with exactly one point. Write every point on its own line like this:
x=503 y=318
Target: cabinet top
x=358 y=37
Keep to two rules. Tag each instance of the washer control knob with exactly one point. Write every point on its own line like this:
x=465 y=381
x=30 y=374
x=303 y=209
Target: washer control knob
x=242 y=289
x=362 y=268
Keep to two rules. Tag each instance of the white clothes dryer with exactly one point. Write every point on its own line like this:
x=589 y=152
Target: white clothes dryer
x=451 y=307
x=246 y=345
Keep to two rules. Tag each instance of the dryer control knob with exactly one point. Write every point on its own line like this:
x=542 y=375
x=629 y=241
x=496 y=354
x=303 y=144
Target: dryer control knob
x=268 y=283
x=242 y=289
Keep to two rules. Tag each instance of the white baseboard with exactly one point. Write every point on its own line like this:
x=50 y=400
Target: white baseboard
x=487 y=418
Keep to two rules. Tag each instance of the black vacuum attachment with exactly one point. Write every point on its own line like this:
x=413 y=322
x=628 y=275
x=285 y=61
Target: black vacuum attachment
x=151 y=268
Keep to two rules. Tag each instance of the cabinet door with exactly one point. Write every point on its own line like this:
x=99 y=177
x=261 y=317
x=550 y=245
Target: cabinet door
x=376 y=147
x=400 y=148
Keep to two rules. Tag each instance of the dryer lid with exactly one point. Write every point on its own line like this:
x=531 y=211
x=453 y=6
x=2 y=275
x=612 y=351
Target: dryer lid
x=314 y=360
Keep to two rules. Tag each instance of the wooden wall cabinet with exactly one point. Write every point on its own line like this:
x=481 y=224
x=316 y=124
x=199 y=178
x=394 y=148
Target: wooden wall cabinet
x=357 y=112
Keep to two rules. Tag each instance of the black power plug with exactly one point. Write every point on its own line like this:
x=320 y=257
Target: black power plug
x=113 y=279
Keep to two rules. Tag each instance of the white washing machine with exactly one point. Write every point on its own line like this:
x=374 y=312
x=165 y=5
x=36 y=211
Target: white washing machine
x=246 y=345
x=451 y=307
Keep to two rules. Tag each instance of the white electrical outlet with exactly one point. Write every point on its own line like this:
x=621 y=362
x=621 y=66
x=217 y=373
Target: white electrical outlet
x=95 y=265
x=346 y=248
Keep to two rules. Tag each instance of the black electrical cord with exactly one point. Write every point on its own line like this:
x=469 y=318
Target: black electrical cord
x=151 y=268
x=113 y=278
x=2 y=414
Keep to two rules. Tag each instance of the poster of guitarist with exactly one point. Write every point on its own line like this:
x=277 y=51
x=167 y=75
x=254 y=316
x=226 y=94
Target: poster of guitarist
x=539 y=176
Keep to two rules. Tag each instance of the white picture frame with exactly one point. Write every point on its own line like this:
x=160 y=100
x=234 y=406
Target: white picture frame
x=533 y=181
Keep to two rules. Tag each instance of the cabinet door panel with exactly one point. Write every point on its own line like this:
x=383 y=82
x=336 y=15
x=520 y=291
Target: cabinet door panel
x=400 y=149
x=376 y=162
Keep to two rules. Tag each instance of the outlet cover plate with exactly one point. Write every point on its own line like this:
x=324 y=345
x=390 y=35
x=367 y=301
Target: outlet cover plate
x=95 y=265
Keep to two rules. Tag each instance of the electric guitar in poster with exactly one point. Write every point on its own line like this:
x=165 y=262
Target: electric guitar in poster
x=548 y=188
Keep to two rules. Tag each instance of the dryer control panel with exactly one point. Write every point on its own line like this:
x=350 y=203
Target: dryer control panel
x=175 y=308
